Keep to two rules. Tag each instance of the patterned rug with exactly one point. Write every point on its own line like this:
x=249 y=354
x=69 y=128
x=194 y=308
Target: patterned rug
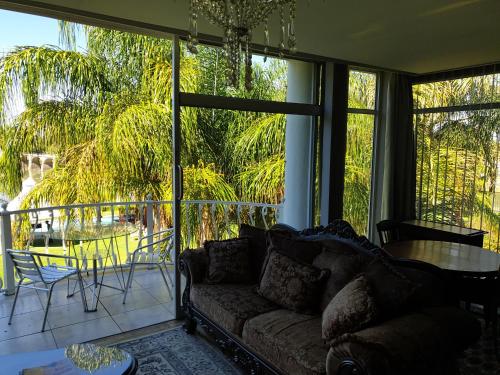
x=174 y=352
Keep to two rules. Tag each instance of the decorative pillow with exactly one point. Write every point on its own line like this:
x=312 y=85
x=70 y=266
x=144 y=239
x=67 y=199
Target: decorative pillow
x=344 y=264
x=257 y=245
x=391 y=289
x=228 y=261
x=352 y=309
x=293 y=246
x=431 y=290
x=291 y=284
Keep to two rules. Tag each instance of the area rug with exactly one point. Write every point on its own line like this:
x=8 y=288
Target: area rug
x=174 y=352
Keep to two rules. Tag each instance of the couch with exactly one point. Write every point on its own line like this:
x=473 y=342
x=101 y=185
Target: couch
x=424 y=336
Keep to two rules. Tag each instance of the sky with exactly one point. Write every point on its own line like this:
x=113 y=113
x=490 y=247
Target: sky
x=19 y=29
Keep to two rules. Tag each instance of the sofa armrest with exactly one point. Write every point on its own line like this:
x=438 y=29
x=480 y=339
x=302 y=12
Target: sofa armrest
x=193 y=264
x=352 y=358
x=411 y=344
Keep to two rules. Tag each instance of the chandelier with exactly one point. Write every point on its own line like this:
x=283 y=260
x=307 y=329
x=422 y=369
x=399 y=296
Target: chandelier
x=238 y=18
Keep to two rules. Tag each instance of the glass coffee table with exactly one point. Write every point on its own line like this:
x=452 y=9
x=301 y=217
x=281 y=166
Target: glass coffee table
x=94 y=243
x=78 y=359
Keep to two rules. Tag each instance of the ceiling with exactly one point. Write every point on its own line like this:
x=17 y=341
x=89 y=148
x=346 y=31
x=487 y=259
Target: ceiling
x=417 y=36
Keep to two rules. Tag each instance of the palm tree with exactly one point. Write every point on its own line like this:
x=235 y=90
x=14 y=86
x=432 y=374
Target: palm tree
x=106 y=114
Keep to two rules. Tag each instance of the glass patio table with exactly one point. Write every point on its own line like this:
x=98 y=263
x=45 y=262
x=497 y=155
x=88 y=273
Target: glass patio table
x=104 y=237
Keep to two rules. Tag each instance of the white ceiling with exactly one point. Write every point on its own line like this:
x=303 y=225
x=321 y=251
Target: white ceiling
x=416 y=36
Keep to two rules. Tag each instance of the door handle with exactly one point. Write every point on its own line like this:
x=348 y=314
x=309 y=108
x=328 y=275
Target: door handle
x=180 y=182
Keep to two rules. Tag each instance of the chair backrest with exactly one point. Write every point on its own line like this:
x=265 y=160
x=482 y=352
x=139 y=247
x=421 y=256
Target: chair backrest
x=388 y=231
x=160 y=247
x=25 y=265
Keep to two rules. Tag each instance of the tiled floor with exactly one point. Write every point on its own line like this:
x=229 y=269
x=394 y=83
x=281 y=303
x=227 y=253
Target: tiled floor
x=148 y=302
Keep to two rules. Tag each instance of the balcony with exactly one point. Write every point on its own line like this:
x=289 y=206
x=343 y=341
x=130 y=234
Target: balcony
x=148 y=301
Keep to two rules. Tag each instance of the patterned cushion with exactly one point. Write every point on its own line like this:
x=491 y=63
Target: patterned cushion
x=391 y=289
x=343 y=264
x=296 y=286
x=230 y=305
x=293 y=246
x=258 y=247
x=350 y=310
x=290 y=341
x=228 y=261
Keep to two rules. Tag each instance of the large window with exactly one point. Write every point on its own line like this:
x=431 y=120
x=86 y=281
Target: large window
x=360 y=126
x=457 y=126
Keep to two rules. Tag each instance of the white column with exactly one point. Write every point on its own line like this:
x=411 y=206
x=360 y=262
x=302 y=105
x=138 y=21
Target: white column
x=30 y=165
x=298 y=148
x=42 y=159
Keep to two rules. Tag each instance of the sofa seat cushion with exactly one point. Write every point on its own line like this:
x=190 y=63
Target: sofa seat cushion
x=290 y=341
x=230 y=305
x=398 y=346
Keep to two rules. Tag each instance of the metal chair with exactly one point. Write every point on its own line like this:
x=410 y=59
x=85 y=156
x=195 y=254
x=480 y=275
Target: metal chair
x=388 y=231
x=28 y=265
x=156 y=254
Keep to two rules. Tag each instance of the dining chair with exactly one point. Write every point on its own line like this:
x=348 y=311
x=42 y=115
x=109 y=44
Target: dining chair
x=388 y=231
x=153 y=250
x=29 y=266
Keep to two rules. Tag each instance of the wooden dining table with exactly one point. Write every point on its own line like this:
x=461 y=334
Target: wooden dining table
x=450 y=256
x=474 y=271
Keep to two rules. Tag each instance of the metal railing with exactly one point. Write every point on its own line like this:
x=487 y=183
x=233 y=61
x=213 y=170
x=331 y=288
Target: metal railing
x=458 y=149
x=201 y=220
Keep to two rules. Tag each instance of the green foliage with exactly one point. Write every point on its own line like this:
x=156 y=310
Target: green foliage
x=105 y=112
x=457 y=155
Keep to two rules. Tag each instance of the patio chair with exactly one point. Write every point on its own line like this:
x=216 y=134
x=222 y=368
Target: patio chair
x=154 y=254
x=388 y=231
x=28 y=265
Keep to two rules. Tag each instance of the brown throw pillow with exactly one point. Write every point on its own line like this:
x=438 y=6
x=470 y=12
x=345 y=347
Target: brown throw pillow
x=343 y=263
x=291 y=284
x=352 y=309
x=228 y=261
x=257 y=246
x=391 y=289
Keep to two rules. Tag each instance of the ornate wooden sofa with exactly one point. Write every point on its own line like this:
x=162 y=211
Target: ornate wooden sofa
x=268 y=339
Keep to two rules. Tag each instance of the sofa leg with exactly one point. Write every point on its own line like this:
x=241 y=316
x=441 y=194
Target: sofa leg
x=189 y=326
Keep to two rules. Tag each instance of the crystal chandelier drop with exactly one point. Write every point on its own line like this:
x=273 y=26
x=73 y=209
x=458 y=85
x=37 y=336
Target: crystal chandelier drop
x=238 y=18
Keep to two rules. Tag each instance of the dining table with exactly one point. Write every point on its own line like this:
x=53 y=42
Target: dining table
x=454 y=257
x=474 y=272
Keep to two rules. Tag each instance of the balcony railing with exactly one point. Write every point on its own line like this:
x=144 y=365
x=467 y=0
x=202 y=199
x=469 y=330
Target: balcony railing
x=200 y=221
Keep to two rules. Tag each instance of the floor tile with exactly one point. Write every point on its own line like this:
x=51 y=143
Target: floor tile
x=149 y=278
x=160 y=292
x=60 y=316
x=27 y=301
x=22 y=324
x=170 y=306
x=81 y=332
x=136 y=299
x=113 y=281
x=142 y=317
x=30 y=343
x=60 y=295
